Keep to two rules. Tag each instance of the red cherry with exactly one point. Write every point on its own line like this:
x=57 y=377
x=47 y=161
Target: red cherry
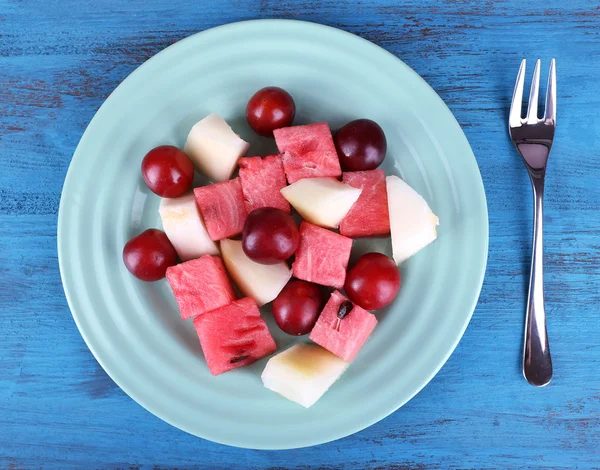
x=270 y=235
x=168 y=171
x=148 y=255
x=297 y=307
x=270 y=108
x=373 y=282
x=361 y=145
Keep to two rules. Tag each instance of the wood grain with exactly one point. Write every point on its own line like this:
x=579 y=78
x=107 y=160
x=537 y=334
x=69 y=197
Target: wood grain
x=60 y=59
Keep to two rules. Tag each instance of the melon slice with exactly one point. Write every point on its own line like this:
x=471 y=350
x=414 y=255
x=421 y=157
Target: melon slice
x=346 y=337
x=412 y=223
x=321 y=201
x=262 y=282
x=185 y=228
x=214 y=147
x=233 y=336
x=303 y=373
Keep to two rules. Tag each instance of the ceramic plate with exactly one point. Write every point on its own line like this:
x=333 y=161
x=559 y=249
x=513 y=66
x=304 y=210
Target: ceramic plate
x=133 y=328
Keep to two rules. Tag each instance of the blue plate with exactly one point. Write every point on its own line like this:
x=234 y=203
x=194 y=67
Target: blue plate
x=134 y=329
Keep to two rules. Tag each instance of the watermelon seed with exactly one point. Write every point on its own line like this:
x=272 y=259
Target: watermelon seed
x=345 y=308
x=238 y=359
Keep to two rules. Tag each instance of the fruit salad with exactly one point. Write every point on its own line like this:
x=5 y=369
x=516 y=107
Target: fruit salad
x=278 y=231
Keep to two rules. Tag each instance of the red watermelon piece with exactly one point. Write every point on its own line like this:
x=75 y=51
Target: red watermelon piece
x=222 y=208
x=369 y=216
x=322 y=256
x=262 y=179
x=308 y=151
x=233 y=336
x=200 y=285
x=353 y=332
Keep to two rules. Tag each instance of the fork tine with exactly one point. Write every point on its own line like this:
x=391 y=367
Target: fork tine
x=514 y=118
x=532 y=108
x=550 y=112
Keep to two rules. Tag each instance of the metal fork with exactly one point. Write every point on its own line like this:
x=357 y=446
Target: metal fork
x=533 y=138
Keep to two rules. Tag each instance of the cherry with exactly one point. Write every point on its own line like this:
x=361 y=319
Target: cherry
x=148 y=255
x=270 y=108
x=297 y=307
x=270 y=235
x=373 y=282
x=361 y=145
x=168 y=171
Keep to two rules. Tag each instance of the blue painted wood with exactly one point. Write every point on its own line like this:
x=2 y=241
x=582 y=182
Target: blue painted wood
x=60 y=60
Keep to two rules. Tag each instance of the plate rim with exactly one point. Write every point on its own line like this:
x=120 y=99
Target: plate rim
x=63 y=252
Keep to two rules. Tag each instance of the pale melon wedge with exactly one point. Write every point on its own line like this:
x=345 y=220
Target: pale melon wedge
x=303 y=373
x=412 y=223
x=262 y=282
x=321 y=201
x=214 y=148
x=185 y=228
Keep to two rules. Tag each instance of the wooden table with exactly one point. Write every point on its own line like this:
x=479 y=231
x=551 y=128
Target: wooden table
x=60 y=59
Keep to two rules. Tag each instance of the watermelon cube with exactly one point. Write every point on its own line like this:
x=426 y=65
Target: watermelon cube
x=262 y=179
x=322 y=256
x=233 y=336
x=222 y=208
x=308 y=151
x=346 y=338
x=200 y=285
x=369 y=216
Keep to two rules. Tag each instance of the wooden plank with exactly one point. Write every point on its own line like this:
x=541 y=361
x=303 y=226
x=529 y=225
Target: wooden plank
x=60 y=60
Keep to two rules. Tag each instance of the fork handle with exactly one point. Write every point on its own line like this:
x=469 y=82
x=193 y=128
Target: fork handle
x=537 y=363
